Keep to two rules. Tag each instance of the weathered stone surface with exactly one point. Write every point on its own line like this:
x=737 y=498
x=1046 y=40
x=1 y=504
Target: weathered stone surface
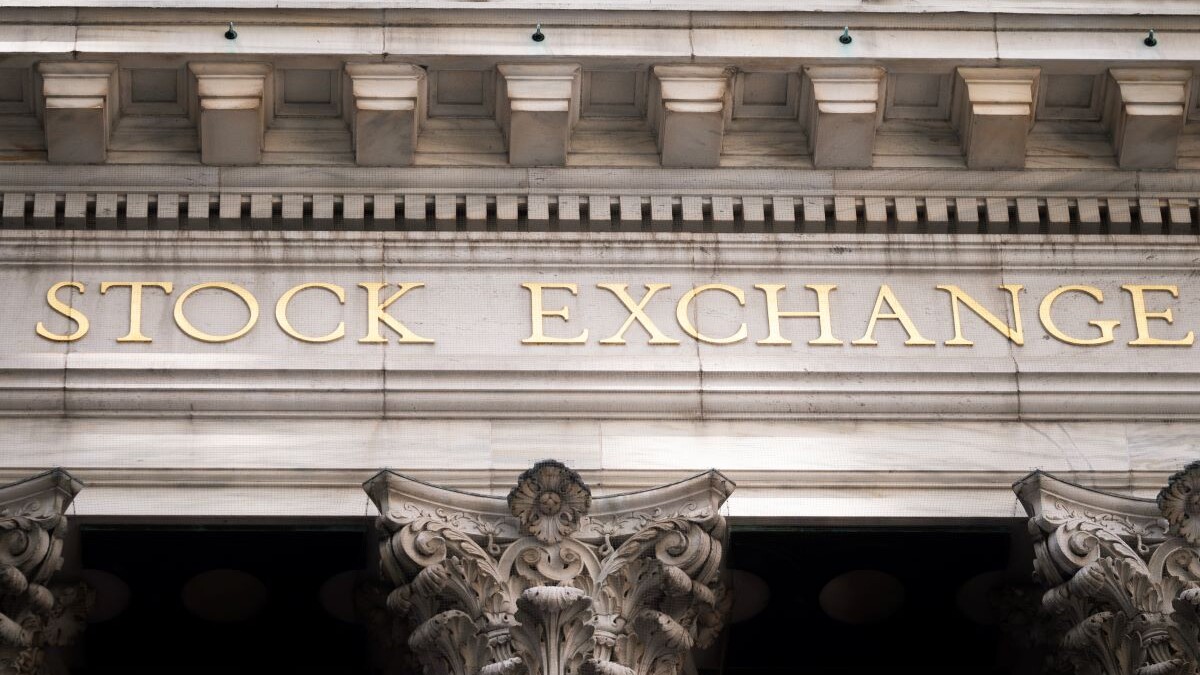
x=388 y=104
x=842 y=114
x=993 y=111
x=232 y=113
x=537 y=107
x=82 y=106
x=687 y=111
x=1146 y=111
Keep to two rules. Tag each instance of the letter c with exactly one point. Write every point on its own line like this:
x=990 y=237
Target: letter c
x=282 y=319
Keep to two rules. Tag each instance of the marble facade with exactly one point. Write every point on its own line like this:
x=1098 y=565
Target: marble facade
x=876 y=264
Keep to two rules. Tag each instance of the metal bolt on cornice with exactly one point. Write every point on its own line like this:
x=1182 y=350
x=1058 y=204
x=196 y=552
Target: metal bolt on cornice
x=231 y=34
x=845 y=38
x=1151 y=40
x=538 y=35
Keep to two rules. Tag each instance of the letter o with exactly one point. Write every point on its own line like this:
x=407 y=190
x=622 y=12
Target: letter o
x=191 y=331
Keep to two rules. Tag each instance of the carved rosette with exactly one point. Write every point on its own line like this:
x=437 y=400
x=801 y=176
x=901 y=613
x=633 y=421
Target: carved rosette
x=556 y=583
x=34 y=615
x=1123 y=574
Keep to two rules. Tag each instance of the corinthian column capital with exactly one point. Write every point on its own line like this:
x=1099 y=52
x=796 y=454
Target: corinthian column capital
x=552 y=580
x=1123 y=574
x=32 y=526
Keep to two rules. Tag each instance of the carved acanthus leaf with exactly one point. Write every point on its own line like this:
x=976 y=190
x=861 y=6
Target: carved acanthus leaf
x=1180 y=503
x=623 y=591
x=33 y=614
x=1122 y=574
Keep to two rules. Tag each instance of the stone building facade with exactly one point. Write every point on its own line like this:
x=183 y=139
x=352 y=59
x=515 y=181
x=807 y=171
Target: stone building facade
x=517 y=292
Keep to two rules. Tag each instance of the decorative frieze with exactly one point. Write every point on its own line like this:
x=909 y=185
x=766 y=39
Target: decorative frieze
x=552 y=580
x=993 y=112
x=81 y=107
x=1123 y=574
x=232 y=113
x=537 y=107
x=843 y=110
x=33 y=613
x=385 y=118
x=1146 y=111
x=687 y=112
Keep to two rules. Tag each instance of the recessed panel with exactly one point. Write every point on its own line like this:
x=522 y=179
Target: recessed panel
x=307 y=92
x=153 y=91
x=154 y=85
x=14 y=91
x=1070 y=97
x=765 y=94
x=765 y=88
x=614 y=93
x=918 y=96
x=308 y=86
x=461 y=93
x=12 y=85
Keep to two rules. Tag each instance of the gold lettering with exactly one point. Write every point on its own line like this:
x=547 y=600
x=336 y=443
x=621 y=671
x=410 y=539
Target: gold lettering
x=681 y=314
x=637 y=313
x=191 y=331
x=67 y=311
x=774 y=315
x=885 y=295
x=1141 y=317
x=282 y=319
x=1106 y=326
x=377 y=312
x=1015 y=333
x=537 y=312
x=135 y=304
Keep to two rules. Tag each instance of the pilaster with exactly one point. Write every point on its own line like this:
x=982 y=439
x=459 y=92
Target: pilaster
x=385 y=116
x=993 y=112
x=1123 y=574
x=81 y=108
x=32 y=527
x=552 y=581
x=537 y=107
x=232 y=113
x=843 y=110
x=1145 y=112
x=687 y=111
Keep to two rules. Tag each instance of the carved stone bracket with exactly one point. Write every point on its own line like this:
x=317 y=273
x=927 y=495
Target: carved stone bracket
x=554 y=581
x=34 y=615
x=1123 y=574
